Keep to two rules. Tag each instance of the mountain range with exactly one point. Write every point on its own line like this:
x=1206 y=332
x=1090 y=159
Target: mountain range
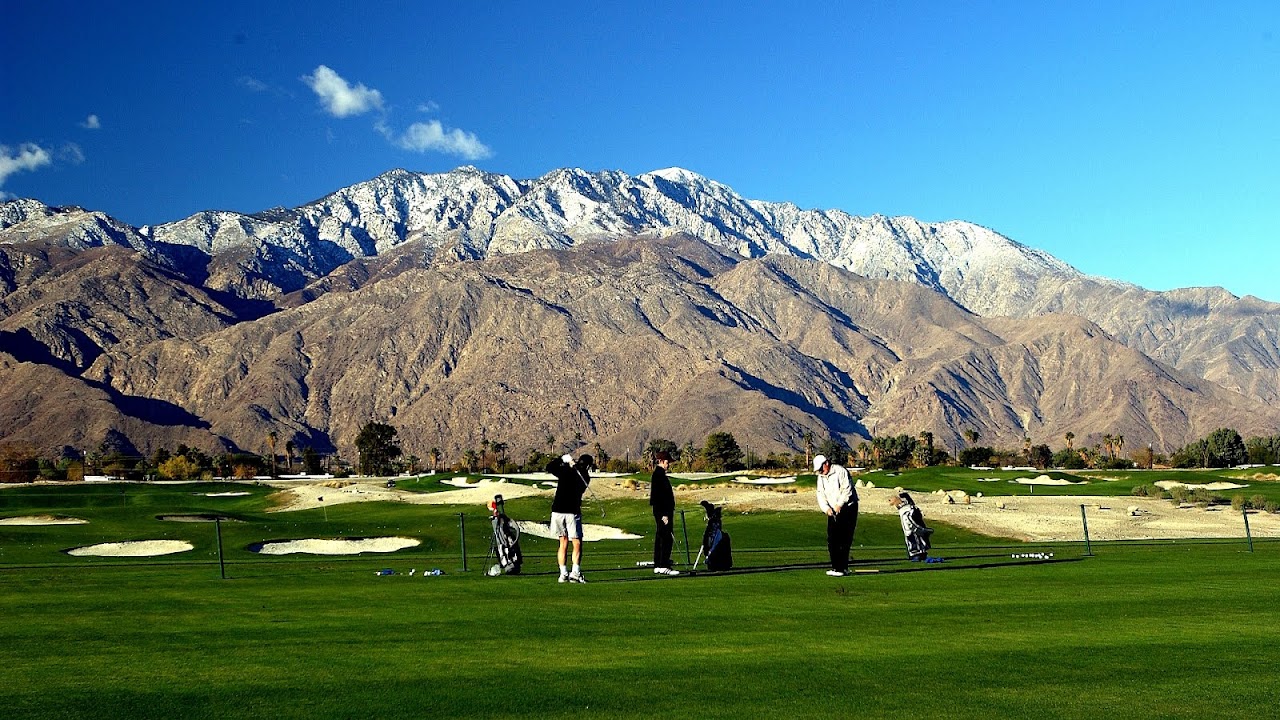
x=467 y=305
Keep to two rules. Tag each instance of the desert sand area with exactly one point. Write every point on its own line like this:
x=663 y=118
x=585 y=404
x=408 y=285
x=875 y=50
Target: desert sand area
x=338 y=492
x=1036 y=518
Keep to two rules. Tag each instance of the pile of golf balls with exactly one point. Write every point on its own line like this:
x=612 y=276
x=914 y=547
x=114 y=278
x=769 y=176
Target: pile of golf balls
x=1032 y=556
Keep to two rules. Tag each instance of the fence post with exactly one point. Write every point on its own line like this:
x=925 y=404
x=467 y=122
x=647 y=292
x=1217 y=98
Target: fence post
x=688 y=560
x=462 y=530
x=222 y=566
x=1245 y=512
x=1088 y=547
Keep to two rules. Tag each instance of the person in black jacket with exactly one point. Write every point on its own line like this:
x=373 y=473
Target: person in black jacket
x=663 y=501
x=572 y=479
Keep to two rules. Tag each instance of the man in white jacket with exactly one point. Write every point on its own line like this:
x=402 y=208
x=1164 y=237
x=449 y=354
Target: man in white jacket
x=838 y=500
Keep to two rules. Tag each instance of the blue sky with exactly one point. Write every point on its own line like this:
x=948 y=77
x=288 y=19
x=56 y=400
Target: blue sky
x=1134 y=140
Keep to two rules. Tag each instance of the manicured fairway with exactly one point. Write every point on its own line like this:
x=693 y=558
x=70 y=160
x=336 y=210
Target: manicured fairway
x=1189 y=630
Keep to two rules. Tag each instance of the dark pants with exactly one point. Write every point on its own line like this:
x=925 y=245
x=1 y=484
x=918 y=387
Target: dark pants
x=663 y=539
x=840 y=529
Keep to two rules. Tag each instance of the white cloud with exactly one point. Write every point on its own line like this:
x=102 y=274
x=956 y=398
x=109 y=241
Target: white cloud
x=91 y=123
x=28 y=156
x=71 y=153
x=339 y=98
x=432 y=136
x=253 y=84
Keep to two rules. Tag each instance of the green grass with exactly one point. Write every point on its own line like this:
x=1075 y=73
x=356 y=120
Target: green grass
x=1170 y=630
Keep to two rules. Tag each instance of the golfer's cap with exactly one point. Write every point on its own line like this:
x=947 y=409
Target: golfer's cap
x=662 y=455
x=818 y=461
x=587 y=460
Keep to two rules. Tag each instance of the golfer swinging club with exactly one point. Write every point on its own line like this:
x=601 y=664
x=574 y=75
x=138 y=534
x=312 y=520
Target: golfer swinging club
x=838 y=500
x=572 y=480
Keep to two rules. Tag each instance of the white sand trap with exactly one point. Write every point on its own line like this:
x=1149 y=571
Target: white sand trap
x=307 y=497
x=988 y=479
x=1046 y=480
x=699 y=475
x=227 y=494
x=590 y=533
x=1171 y=484
x=764 y=481
x=459 y=482
x=341 y=546
x=136 y=548
x=527 y=476
x=41 y=520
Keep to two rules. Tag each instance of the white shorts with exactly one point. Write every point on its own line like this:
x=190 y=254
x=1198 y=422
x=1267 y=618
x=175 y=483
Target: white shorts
x=566 y=525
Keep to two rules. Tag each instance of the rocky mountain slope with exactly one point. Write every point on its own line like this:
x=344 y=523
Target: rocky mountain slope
x=615 y=306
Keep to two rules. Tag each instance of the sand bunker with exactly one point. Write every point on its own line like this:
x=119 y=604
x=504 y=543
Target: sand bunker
x=459 y=482
x=340 y=546
x=1171 y=484
x=42 y=520
x=136 y=548
x=764 y=481
x=307 y=497
x=590 y=533
x=1046 y=480
x=227 y=494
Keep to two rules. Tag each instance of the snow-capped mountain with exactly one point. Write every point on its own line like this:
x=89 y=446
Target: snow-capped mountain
x=470 y=214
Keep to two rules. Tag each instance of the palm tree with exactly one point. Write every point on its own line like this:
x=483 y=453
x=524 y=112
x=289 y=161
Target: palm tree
x=271 y=443
x=808 y=448
x=469 y=458
x=1070 y=436
x=1026 y=447
x=971 y=436
x=288 y=449
x=1118 y=442
x=1106 y=445
x=499 y=449
x=434 y=454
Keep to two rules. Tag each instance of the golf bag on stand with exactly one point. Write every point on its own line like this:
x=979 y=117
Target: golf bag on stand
x=716 y=544
x=913 y=529
x=506 y=541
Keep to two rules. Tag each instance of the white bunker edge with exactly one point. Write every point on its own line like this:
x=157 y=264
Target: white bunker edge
x=590 y=533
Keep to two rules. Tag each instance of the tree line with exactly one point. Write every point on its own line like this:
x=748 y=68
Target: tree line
x=379 y=452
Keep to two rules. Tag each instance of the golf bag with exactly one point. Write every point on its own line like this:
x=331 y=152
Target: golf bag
x=913 y=529
x=506 y=540
x=716 y=545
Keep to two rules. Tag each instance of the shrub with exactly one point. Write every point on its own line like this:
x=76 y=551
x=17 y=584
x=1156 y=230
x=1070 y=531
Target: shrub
x=179 y=467
x=1272 y=506
x=1257 y=502
x=1238 y=502
x=244 y=472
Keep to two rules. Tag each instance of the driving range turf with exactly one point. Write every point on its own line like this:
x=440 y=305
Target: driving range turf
x=1152 y=629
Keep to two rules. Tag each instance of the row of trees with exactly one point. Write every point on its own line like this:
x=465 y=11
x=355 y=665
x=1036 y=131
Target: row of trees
x=380 y=453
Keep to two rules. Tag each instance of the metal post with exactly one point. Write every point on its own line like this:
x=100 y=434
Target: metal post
x=687 y=558
x=462 y=530
x=1247 y=533
x=222 y=566
x=1085 y=520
